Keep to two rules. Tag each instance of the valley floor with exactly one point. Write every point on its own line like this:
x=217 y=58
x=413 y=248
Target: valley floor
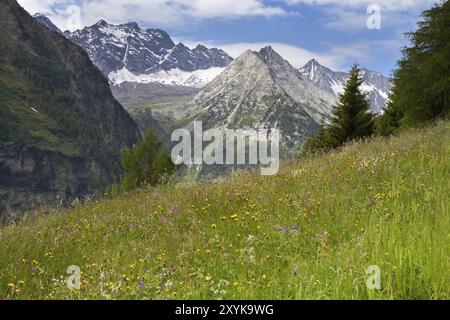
x=310 y=232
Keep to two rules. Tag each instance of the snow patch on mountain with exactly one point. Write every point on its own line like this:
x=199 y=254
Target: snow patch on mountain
x=128 y=53
x=176 y=77
x=375 y=84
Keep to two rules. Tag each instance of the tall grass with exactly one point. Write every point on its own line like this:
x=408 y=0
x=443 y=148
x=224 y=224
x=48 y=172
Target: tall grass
x=308 y=233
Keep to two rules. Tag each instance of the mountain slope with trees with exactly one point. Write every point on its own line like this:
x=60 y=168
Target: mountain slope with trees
x=422 y=81
x=61 y=130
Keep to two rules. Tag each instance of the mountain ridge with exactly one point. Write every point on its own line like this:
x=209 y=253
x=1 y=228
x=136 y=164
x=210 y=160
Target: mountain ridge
x=376 y=85
x=46 y=22
x=62 y=131
x=126 y=52
x=252 y=93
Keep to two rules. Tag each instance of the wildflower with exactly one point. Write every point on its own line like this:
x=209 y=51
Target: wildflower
x=11 y=285
x=288 y=230
x=250 y=238
x=283 y=230
x=214 y=226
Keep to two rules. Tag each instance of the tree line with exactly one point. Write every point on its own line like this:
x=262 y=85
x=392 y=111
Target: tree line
x=420 y=94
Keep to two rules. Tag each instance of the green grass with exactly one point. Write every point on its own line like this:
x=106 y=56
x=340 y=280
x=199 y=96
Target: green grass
x=385 y=202
x=26 y=126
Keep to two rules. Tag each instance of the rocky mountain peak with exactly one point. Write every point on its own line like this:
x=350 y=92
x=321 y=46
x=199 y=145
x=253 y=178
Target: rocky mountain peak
x=126 y=52
x=269 y=55
x=101 y=23
x=313 y=63
x=131 y=26
x=375 y=84
x=260 y=89
x=313 y=69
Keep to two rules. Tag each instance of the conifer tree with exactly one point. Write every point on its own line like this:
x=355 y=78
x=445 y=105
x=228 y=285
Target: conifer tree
x=147 y=163
x=351 y=118
x=422 y=81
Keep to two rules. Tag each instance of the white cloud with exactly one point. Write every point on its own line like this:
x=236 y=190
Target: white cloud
x=158 y=12
x=343 y=15
x=389 y=5
x=42 y=6
x=352 y=15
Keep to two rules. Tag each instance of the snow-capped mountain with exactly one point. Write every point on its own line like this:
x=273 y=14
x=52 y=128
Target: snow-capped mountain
x=174 y=77
x=262 y=90
x=46 y=22
x=127 y=53
x=375 y=84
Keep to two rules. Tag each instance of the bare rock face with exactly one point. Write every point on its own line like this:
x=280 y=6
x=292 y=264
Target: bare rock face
x=262 y=90
x=33 y=180
x=61 y=130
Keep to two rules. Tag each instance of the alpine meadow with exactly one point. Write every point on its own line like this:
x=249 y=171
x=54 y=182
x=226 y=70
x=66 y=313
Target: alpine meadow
x=115 y=126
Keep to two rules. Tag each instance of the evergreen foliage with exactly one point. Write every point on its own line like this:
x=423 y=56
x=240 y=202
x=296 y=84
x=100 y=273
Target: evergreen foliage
x=422 y=81
x=351 y=118
x=147 y=163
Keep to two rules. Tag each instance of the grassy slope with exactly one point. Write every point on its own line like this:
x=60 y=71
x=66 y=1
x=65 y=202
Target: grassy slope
x=383 y=203
x=38 y=130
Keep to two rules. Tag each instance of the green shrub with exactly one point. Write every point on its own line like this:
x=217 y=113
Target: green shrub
x=147 y=163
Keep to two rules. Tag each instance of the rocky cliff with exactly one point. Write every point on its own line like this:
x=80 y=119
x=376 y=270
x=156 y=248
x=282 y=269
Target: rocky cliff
x=61 y=130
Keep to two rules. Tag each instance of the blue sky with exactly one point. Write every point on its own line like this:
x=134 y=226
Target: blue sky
x=333 y=31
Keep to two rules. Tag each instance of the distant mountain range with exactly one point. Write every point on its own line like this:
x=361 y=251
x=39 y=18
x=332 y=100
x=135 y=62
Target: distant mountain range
x=262 y=90
x=128 y=54
x=375 y=84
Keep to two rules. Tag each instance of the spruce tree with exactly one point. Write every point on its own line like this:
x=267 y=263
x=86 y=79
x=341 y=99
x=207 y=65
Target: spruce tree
x=422 y=81
x=351 y=117
x=322 y=141
x=389 y=122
